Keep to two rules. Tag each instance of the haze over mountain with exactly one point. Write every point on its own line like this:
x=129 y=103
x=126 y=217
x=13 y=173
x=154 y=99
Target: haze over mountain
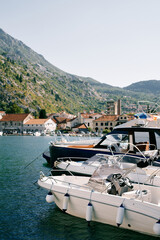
x=30 y=81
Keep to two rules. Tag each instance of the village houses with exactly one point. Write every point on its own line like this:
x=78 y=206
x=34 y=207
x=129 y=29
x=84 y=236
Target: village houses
x=96 y=122
x=88 y=118
x=24 y=122
x=83 y=122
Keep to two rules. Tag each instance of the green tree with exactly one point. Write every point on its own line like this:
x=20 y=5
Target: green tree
x=105 y=131
x=34 y=79
x=14 y=108
x=57 y=97
x=26 y=110
x=21 y=78
x=42 y=113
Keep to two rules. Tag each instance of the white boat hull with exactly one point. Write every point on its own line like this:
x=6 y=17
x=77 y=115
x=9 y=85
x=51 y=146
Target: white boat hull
x=106 y=212
x=138 y=215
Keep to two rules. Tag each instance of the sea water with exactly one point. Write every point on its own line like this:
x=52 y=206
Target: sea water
x=24 y=213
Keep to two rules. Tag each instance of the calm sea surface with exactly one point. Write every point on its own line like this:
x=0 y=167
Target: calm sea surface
x=24 y=213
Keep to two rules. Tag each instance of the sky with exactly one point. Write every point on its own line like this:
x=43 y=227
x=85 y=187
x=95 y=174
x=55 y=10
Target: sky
x=116 y=42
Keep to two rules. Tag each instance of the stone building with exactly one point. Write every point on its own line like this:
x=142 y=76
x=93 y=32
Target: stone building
x=113 y=107
x=106 y=122
x=13 y=123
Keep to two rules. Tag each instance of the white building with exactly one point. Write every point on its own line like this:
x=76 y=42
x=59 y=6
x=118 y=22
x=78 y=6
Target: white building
x=40 y=125
x=2 y=113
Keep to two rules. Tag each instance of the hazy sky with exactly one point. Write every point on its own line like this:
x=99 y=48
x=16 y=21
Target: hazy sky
x=113 y=41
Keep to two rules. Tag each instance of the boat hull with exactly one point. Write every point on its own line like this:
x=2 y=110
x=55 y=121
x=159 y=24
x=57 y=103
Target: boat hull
x=138 y=215
x=106 y=213
x=46 y=155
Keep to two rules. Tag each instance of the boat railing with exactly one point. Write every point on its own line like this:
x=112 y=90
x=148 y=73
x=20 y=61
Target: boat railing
x=57 y=172
x=65 y=183
x=151 y=154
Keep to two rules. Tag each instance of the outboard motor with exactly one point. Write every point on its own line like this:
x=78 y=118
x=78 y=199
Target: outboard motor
x=119 y=184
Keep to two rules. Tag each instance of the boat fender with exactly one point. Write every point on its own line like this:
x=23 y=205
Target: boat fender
x=65 y=202
x=50 y=197
x=156 y=227
x=89 y=212
x=120 y=215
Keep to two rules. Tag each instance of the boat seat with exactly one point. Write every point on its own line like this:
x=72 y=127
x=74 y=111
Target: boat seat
x=144 y=195
x=81 y=146
x=152 y=154
x=142 y=146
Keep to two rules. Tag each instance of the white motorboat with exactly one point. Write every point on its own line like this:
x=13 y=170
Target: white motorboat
x=115 y=200
x=139 y=172
x=37 y=134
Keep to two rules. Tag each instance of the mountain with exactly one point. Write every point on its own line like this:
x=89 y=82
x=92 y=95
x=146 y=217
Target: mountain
x=150 y=86
x=30 y=81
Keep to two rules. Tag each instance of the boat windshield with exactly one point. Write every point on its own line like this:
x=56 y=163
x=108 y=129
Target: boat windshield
x=98 y=179
x=120 y=138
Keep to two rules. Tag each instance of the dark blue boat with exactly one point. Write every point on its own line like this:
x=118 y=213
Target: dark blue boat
x=136 y=138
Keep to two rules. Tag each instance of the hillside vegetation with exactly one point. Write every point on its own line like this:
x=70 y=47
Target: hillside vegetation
x=30 y=86
x=151 y=86
x=31 y=82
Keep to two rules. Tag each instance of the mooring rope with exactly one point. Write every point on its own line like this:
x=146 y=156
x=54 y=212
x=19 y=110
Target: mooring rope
x=35 y=159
